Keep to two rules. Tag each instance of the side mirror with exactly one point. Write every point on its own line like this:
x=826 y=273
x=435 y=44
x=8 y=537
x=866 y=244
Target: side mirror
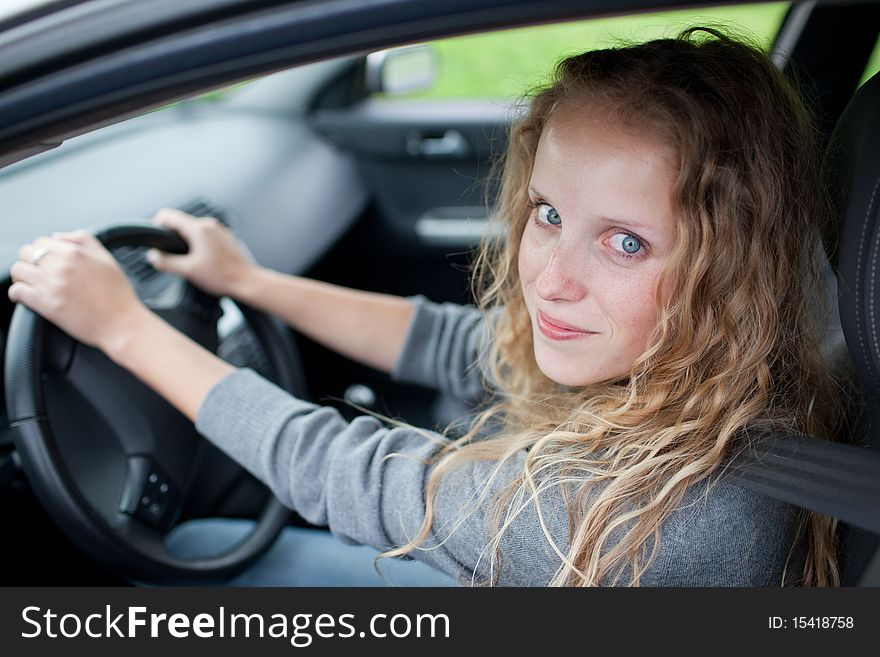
x=401 y=70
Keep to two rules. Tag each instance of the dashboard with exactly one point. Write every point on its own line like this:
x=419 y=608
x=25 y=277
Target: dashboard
x=251 y=153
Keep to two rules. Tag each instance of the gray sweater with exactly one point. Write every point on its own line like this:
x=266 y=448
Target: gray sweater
x=334 y=473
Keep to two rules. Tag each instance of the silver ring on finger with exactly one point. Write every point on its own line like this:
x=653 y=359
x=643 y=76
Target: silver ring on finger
x=38 y=255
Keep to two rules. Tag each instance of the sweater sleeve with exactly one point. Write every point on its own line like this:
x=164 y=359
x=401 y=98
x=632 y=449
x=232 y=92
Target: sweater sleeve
x=445 y=349
x=343 y=475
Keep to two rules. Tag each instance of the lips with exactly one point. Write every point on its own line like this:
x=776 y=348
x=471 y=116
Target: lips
x=560 y=324
x=556 y=329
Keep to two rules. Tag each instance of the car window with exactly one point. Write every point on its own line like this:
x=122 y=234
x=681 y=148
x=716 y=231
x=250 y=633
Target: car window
x=505 y=63
x=873 y=64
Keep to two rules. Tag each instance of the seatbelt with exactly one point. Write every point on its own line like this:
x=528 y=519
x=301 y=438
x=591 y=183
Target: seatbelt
x=842 y=481
x=871 y=576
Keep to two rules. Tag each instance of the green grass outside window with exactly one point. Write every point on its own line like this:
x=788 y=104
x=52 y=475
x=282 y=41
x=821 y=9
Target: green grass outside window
x=506 y=63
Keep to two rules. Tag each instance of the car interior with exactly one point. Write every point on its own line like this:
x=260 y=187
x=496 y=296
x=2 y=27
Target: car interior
x=350 y=169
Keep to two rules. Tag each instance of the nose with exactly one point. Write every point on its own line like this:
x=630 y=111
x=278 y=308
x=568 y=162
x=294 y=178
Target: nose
x=562 y=276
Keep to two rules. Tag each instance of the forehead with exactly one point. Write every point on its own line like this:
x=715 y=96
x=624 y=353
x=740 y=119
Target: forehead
x=578 y=136
x=590 y=164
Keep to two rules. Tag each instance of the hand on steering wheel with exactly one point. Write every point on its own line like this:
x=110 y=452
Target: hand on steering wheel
x=111 y=460
x=216 y=262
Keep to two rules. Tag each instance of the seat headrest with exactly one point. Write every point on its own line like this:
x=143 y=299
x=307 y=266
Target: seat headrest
x=852 y=167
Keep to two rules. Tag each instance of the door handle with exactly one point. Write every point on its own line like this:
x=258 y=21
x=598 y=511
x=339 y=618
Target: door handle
x=451 y=144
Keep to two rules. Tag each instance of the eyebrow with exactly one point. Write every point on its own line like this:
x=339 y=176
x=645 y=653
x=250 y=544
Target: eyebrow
x=609 y=220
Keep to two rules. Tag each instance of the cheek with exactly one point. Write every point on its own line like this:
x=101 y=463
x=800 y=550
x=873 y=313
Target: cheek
x=531 y=258
x=634 y=310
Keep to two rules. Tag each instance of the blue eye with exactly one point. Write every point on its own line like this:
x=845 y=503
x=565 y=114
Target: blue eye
x=548 y=215
x=628 y=244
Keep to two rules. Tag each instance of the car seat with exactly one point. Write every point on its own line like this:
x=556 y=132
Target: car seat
x=852 y=167
x=842 y=479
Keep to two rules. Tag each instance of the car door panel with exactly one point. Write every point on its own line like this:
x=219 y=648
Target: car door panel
x=424 y=162
x=427 y=166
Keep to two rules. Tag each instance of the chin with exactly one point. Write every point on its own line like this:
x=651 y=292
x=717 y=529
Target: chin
x=563 y=374
x=559 y=370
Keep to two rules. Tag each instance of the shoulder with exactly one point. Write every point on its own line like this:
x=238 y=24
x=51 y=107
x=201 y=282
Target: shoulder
x=726 y=535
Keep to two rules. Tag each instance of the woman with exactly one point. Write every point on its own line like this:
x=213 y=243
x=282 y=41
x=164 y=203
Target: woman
x=655 y=304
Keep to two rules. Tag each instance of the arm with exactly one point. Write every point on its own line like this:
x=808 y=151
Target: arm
x=365 y=326
x=341 y=474
x=436 y=345
x=78 y=286
x=444 y=348
x=184 y=372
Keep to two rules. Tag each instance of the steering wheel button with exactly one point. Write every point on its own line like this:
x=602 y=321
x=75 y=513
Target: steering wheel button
x=149 y=494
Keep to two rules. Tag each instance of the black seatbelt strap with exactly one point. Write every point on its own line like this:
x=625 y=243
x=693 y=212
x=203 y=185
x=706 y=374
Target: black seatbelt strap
x=839 y=480
x=871 y=575
x=842 y=481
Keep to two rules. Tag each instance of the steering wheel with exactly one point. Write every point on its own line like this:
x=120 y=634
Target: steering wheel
x=111 y=461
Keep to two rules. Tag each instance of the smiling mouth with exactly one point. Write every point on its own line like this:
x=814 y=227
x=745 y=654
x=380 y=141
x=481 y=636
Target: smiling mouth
x=557 y=332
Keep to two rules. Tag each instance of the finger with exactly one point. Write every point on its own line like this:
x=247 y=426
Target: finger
x=71 y=243
x=83 y=240
x=175 y=219
x=29 y=251
x=54 y=246
x=25 y=252
x=24 y=271
x=25 y=294
x=82 y=237
x=176 y=264
x=48 y=249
